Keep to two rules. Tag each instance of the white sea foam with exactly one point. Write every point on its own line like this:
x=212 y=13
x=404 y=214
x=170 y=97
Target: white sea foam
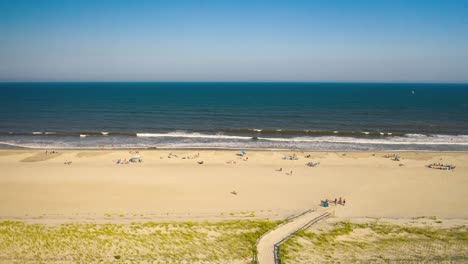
x=82 y=135
x=35 y=145
x=410 y=139
x=105 y=133
x=190 y=135
x=37 y=133
x=200 y=140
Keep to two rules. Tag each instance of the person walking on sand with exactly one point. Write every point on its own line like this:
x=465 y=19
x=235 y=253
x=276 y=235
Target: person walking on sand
x=344 y=202
x=335 y=201
x=340 y=200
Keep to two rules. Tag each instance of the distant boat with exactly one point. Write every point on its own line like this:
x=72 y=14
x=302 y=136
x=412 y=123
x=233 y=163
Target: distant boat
x=412 y=91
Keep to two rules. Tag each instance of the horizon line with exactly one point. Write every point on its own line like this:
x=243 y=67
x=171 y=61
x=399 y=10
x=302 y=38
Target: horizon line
x=304 y=82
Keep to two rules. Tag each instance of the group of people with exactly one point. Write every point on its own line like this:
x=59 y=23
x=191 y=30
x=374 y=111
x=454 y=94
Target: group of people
x=327 y=202
x=172 y=155
x=124 y=161
x=291 y=157
x=393 y=157
x=441 y=166
x=196 y=156
x=287 y=173
x=132 y=160
x=313 y=164
x=50 y=152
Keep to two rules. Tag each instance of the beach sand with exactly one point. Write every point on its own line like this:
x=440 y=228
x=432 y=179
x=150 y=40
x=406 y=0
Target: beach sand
x=36 y=187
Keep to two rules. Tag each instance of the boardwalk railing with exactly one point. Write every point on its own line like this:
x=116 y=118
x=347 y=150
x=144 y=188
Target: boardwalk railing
x=255 y=260
x=276 y=249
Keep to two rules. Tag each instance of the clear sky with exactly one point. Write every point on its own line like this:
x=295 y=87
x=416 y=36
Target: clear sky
x=171 y=40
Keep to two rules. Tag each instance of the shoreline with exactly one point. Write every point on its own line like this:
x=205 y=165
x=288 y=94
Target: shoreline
x=233 y=149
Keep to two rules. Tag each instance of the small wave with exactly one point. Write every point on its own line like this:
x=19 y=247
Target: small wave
x=311 y=132
x=191 y=135
x=412 y=139
x=82 y=136
x=214 y=133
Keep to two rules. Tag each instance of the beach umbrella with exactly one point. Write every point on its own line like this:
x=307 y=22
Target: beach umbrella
x=244 y=153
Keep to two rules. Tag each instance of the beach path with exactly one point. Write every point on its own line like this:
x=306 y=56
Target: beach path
x=265 y=246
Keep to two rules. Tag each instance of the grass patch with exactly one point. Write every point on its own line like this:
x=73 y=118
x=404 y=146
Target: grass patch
x=165 y=242
x=377 y=242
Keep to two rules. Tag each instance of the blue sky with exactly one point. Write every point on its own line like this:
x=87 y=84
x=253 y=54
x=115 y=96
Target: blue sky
x=112 y=40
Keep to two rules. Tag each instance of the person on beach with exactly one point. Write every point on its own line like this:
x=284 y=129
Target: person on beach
x=344 y=202
x=340 y=201
x=335 y=201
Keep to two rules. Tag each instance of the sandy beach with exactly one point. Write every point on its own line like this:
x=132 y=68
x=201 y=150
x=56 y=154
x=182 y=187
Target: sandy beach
x=37 y=186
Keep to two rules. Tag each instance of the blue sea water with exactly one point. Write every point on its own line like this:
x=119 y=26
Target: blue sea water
x=308 y=116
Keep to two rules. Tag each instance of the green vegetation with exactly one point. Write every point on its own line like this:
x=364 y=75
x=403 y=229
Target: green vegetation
x=378 y=242
x=159 y=242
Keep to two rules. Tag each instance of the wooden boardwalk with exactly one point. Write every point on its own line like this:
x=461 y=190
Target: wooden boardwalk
x=268 y=245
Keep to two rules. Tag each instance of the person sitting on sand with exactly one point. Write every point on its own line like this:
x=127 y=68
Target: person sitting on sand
x=280 y=169
x=340 y=200
x=335 y=201
x=344 y=202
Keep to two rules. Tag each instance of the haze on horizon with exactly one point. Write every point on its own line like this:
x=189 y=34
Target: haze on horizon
x=376 y=41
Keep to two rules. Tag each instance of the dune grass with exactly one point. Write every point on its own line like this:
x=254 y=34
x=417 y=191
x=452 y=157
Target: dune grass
x=378 y=243
x=169 y=242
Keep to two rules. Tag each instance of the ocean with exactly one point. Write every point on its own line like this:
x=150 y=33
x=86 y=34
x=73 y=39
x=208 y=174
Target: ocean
x=300 y=116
